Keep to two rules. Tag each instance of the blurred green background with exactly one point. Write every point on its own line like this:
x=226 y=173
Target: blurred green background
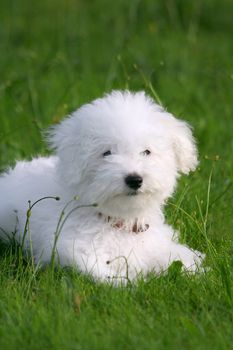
x=56 y=55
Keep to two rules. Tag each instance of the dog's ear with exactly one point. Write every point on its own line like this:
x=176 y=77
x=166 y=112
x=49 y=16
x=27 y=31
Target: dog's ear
x=67 y=142
x=183 y=143
x=60 y=136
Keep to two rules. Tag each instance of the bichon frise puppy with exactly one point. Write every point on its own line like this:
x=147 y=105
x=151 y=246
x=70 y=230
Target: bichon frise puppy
x=122 y=152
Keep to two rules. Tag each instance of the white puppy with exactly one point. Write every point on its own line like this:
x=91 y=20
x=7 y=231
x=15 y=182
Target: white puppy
x=123 y=152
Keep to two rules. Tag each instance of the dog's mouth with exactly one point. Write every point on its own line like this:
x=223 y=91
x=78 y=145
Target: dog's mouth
x=132 y=193
x=138 y=192
x=135 y=192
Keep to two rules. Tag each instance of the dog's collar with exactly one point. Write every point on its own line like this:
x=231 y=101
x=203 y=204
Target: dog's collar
x=119 y=224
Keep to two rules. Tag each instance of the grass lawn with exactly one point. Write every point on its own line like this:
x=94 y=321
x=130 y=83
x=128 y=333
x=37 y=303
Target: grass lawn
x=56 y=55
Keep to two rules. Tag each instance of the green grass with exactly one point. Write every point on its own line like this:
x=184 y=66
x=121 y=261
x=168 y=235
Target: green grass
x=56 y=55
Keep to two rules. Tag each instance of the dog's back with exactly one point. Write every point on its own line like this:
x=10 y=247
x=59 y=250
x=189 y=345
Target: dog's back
x=28 y=180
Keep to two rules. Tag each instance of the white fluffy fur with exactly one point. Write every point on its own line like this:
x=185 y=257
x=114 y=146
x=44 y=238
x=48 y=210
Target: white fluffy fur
x=100 y=240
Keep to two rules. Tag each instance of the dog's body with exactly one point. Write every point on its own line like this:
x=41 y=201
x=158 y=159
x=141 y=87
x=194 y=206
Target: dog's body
x=122 y=152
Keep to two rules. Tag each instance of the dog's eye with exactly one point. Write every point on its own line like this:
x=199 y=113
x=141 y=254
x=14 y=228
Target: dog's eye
x=107 y=153
x=147 y=152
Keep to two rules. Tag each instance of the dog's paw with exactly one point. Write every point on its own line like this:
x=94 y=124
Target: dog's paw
x=193 y=262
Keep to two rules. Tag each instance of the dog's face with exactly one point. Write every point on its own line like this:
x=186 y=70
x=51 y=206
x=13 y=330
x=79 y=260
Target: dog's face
x=123 y=152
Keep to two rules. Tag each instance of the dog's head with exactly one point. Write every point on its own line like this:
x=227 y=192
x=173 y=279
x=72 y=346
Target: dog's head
x=123 y=152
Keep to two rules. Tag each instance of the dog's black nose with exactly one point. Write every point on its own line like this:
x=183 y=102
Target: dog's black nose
x=134 y=181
